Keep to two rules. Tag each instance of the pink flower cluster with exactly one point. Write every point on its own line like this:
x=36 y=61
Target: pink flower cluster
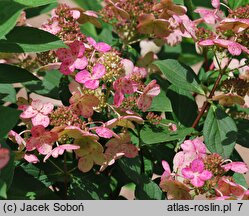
x=236 y=26
x=72 y=135
x=195 y=168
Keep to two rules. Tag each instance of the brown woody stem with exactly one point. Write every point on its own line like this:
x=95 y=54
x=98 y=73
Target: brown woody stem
x=206 y=103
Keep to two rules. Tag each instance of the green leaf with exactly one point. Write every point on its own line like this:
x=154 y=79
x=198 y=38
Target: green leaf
x=9 y=14
x=64 y=91
x=32 y=12
x=220 y=132
x=243 y=132
x=25 y=186
x=37 y=173
x=148 y=190
x=28 y=39
x=190 y=59
x=89 y=30
x=233 y=4
x=190 y=9
x=35 y=3
x=14 y=74
x=157 y=153
x=181 y=2
x=89 y=186
x=89 y=4
x=48 y=86
x=185 y=109
x=240 y=179
x=9 y=93
x=3 y=189
x=8 y=123
x=179 y=75
x=154 y=134
x=131 y=167
x=161 y=103
x=202 y=3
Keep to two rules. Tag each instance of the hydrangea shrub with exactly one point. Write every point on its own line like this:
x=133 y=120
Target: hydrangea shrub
x=151 y=96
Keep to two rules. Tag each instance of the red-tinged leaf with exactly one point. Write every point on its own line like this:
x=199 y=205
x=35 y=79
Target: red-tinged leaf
x=118 y=11
x=148 y=24
x=229 y=99
x=175 y=189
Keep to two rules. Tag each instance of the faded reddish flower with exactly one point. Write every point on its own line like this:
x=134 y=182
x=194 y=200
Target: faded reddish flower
x=84 y=104
x=235 y=24
x=118 y=147
x=41 y=139
x=145 y=99
x=72 y=58
x=123 y=86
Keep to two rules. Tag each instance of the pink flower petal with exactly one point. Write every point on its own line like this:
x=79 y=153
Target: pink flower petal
x=82 y=76
x=205 y=175
x=104 y=132
x=234 y=49
x=178 y=160
x=47 y=108
x=206 y=43
x=91 y=13
x=239 y=167
x=40 y=119
x=187 y=173
x=98 y=71
x=166 y=168
x=216 y=3
x=76 y=14
x=128 y=66
x=67 y=67
x=37 y=105
x=197 y=182
x=118 y=98
x=64 y=54
x=81 y=63
x=77 y=48
x=91 y=84
x=91 y=41
x=102 y=47
x=152 y=89
x=29 y=112
x=197 y=166
x=144 y=102
x=200 y=147
x=37 y=131
x=31 y=158
x=16 y=138
x=44 y=149
x=59 y=150
x=32 y=143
